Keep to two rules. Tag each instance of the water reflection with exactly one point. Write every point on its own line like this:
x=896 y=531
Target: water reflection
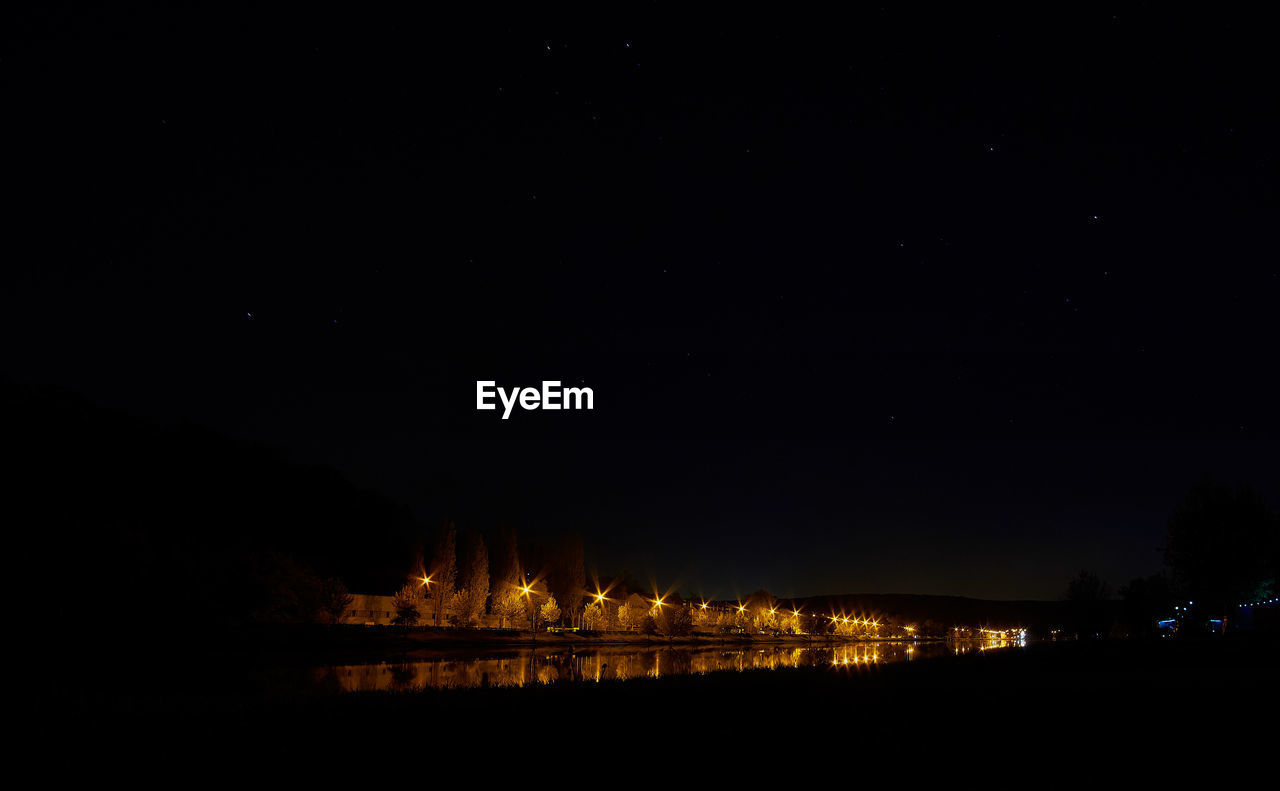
x=521 y=667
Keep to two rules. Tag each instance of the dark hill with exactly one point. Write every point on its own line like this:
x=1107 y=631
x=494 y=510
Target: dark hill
x=120 y=517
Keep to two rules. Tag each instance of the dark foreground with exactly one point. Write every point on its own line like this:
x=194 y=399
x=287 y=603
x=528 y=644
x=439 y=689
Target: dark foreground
x=1045 y=699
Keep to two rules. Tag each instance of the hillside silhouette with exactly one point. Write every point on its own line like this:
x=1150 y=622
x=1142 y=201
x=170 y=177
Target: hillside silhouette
x=126 y=523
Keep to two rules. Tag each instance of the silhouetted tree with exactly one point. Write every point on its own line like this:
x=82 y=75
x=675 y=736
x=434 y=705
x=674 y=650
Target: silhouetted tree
x=1086 y=595
x=334 y=600
x=1222 y=546
x=473 y=585
x=568 y=578
x=674 y=621
x=815 y=624
x=444 y=571
x=1145 y=601
x=625 y=584
x=285 y=591
x=931 y=627
x=648 y=624
x=419 y=570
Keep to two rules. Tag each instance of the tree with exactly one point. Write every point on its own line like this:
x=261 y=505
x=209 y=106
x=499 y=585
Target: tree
x=1222 y=546
x=674 y=621
x=284 y=590
x=568 y=578
x=1146 y=600
x=507 y=602
x=444 y=572
x=473 y=585
x=1086 y=597
x=761 y=611
x=508 y=605
x=334 y=600
x=815 y=624
x=406 y=603
x=594 y=618
x=648 y=624
x=549 y=611
x=630 y=616
x=788 y=622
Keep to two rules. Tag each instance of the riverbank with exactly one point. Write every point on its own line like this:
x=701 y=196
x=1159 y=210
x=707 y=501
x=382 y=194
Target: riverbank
x=363 y=643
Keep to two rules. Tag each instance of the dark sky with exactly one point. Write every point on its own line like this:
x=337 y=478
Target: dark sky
x=906 y=301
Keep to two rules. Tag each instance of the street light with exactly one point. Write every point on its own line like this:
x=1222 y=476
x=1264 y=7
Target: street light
x=527 y=591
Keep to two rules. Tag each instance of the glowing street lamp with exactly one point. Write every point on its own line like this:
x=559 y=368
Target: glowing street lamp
x=527 y=591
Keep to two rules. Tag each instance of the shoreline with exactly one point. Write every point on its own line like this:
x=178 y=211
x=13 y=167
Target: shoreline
x=373 y=644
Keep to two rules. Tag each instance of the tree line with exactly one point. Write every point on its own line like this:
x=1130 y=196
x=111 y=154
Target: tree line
x=1222 y=550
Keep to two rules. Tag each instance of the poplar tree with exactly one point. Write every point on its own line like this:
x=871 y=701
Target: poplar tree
x=444 y=571
x=473 y=585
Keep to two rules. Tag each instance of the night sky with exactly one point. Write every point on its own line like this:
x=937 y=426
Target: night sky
x=918 y=301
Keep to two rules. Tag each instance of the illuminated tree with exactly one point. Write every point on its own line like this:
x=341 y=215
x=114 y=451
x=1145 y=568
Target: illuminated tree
x=789 y=623
x=628 y=617
x=761 y=607
x=610 y=612
x=594 y=618
x=549 y=611
x=508 y=605
x=736 y=620
x=507 y=602
x=406 y=603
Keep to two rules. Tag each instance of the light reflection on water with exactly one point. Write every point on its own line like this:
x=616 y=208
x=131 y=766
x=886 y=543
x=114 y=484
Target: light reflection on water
x=521 y=667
